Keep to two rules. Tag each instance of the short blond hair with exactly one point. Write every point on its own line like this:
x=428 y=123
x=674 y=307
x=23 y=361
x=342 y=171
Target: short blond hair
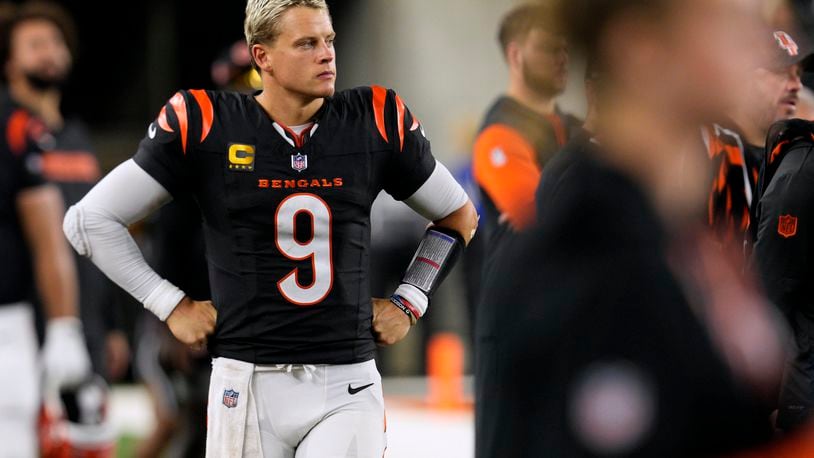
x=262 y=24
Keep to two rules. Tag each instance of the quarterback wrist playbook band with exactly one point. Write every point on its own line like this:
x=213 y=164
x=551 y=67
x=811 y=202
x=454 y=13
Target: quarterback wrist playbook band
x=437 y=254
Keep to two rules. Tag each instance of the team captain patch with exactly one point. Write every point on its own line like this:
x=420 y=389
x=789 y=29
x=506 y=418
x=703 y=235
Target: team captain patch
x=230 y=398
x=241 y=157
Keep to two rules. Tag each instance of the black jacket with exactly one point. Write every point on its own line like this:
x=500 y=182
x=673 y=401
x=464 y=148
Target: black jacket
x=784 y=250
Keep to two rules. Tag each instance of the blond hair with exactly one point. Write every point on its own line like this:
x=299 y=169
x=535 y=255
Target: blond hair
x=262 y=24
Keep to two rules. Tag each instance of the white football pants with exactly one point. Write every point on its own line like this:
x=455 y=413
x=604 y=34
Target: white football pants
x=295 y=411
x=19 y=382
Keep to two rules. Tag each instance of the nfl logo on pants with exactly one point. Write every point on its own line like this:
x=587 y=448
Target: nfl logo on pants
x=230 y=398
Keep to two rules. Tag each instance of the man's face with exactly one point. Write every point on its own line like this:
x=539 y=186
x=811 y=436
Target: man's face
x=39 y=53
x=303 y=58
x=544 y=62
x=777 y=93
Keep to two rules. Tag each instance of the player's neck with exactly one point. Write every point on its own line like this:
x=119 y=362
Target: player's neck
x=543 y=104
x=287 y=108
x=43 y=104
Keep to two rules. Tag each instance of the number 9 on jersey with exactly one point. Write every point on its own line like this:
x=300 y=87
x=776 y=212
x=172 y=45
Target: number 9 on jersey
x=317 y=249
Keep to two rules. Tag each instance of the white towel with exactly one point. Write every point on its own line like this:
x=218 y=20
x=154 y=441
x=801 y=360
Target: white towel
x=233 y=429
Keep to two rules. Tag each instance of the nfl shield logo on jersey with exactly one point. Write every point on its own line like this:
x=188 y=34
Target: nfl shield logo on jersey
x=787 y=226
x=299 y=162
x=230 y=398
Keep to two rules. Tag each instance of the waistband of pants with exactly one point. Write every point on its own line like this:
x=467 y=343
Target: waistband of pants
x=246 y=366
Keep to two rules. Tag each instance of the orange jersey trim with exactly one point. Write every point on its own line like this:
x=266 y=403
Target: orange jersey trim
x=559 y=129
x=776 y=151
x=400 y=109
x=505 y=167
x=207 y=111
x=179 y=106
x=17 y=131
x=65 y=166
x=299 y=140
x=379 y=97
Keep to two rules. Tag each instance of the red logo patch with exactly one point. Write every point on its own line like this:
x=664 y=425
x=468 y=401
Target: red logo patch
x=787 y=43
x=787 y=226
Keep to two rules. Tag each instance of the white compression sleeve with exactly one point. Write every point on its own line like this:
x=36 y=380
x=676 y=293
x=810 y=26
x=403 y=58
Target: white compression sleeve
x=97 y=228
x=439 y=196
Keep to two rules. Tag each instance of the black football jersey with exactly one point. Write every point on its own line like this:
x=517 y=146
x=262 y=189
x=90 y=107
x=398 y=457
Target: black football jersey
x=20 y=169
x=286 y=217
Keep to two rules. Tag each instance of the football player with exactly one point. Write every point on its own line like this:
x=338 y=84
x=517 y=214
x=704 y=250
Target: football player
x=38 y=58
x=284 y=179
x=35 y=257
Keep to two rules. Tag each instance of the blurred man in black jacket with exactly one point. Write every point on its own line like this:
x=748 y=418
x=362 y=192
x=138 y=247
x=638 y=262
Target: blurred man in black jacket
x=783 y=256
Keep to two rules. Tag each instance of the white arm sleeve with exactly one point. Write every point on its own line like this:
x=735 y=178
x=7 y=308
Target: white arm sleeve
x=439 y=196
x=97 y=228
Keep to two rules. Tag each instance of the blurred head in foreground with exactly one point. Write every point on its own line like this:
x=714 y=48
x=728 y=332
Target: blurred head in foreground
x=667 y=66
x=669 y=54
x=535 y=51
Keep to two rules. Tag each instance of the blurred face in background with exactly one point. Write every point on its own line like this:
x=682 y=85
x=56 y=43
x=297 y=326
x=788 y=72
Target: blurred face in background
x=39 y=53
x=776 y=94
x=302 y=59
x=542 y=58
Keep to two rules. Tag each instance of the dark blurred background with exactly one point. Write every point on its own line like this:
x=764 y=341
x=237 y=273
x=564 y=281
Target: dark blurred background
x=134 y=55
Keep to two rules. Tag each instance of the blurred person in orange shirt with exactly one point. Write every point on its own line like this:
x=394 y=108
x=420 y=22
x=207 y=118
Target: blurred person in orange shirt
x=524 y=128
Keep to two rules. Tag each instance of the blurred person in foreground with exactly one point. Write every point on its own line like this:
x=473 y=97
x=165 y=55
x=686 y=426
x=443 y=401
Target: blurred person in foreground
x=37 y=261
x=559 y=165
x=284 y=180
x=177 y=376
x=735 y=144
x=624 y=333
